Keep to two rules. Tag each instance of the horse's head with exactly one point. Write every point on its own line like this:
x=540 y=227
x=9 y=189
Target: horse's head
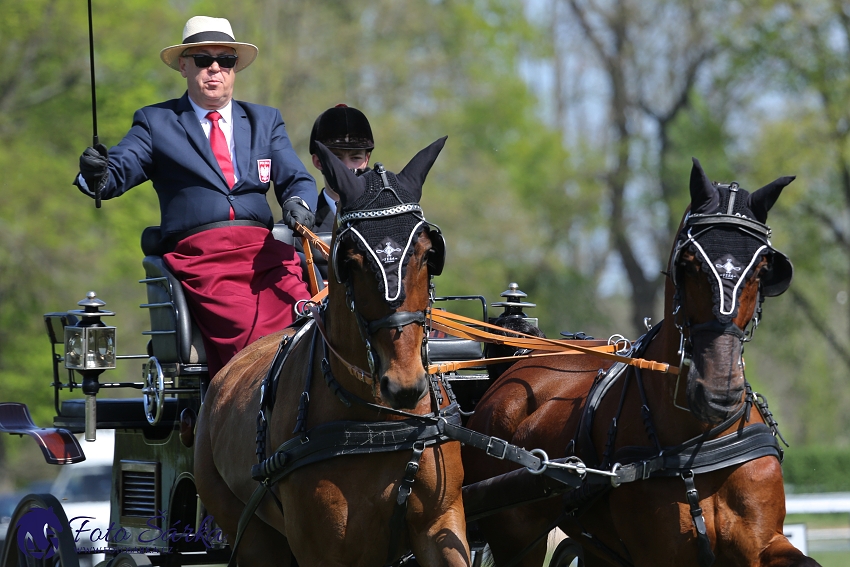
x=721 y=268
x=383 y=254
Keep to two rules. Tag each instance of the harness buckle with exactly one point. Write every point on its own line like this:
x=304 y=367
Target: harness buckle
x=492 y=447
x=615 y=478
x=404 y=491
x=646 y=470
x=412 y=468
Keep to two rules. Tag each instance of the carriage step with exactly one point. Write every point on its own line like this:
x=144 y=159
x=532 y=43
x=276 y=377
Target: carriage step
x=118 y=413
x=58 y=446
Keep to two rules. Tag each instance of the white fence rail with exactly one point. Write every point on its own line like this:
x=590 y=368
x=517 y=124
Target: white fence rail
x=831 y=539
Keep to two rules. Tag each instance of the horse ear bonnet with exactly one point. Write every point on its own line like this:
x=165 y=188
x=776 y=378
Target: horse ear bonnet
x=780 y=272
x=391 y=220
x=724 y=252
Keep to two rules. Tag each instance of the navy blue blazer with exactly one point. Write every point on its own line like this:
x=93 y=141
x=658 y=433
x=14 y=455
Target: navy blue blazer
x=167 y=145
x=324 y=217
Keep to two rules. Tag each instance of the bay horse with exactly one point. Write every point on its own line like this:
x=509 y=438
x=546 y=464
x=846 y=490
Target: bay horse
x=694 y=466
x=361 y=474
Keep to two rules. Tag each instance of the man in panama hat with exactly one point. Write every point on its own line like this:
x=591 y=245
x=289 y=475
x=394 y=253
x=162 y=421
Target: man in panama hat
x=211 y=160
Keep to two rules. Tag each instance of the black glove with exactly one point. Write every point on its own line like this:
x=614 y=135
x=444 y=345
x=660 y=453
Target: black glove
x=94 y=166
x=296 y=210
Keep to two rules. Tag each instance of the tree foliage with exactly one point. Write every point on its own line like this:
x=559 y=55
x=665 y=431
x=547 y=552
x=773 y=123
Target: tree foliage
x=571 y=126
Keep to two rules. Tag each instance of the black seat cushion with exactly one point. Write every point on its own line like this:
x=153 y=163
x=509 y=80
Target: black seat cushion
x=452 y=349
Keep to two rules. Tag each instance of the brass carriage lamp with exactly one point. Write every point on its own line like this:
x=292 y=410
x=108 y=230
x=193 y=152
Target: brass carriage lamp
x=90 y=349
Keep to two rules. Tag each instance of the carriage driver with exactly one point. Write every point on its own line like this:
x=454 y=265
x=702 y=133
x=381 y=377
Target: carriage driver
x=211 y=160
x=346 y=132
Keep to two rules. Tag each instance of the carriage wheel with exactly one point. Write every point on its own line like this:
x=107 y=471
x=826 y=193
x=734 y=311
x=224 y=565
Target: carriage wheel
x=153 y=394
x=567 y=552
x=39 y=521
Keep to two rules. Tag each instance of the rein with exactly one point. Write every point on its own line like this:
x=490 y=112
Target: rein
x=448 y=323
x=472 y=329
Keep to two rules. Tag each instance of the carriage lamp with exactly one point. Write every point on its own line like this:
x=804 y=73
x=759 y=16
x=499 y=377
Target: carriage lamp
x=90 y=344
x=514 y=304
x=90 y=349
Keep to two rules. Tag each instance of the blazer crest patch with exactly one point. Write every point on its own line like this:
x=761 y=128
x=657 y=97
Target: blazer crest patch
x=264 y=168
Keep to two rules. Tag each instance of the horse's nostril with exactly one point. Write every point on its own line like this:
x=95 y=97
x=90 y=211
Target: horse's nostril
x=399 y=396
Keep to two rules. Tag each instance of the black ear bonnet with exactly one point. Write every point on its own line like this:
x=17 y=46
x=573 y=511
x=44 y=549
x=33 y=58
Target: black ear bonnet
x=730 y=239
x=381 y=218
x=387 y=242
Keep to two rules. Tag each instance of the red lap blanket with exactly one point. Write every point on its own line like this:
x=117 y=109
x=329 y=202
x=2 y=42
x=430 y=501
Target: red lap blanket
x=240 y=284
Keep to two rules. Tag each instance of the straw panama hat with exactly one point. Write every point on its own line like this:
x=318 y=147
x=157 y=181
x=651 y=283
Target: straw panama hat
x=204 y=30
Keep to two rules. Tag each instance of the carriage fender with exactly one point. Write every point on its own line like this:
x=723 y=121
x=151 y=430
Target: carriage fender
x=59 y=446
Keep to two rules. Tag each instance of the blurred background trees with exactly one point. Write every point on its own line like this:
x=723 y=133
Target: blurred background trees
x=571 y=126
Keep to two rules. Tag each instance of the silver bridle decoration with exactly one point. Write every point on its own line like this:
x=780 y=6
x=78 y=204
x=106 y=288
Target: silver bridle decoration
x=378 y=213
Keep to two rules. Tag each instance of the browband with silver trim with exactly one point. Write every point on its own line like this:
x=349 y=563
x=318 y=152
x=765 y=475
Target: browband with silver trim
x=379 y=213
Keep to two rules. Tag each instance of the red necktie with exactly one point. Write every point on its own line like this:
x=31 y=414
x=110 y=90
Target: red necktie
x=221 y=152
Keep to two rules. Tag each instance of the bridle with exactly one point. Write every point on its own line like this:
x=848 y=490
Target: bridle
x=776 y=279
x=347 y=225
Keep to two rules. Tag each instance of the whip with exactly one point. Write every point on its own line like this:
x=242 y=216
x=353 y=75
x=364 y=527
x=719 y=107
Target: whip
x=95 y=140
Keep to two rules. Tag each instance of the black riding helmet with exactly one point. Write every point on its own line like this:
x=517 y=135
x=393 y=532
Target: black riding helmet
x=344 y=128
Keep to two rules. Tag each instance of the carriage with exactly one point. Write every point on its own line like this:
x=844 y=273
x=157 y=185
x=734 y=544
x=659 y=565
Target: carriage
x=157 y=516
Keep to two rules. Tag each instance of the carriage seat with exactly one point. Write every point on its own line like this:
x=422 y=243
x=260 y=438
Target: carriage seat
x=174 y=335
x=453 y=349
x=175 y=338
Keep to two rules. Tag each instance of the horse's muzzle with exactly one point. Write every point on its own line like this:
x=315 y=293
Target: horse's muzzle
x=400 y=396
x=716 y=375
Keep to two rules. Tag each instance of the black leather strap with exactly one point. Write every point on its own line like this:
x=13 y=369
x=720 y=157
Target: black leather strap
x=219 y=224
x=397 y=320
x=736 y=448
x=339 y=438
x=405 y=487
x=501 y=449
x=705 y=555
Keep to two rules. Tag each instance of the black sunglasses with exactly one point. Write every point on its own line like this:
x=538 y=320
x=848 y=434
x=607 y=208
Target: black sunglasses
x=204 y=61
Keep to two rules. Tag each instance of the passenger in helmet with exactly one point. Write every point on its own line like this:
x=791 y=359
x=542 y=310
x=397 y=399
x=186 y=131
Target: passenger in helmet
x=346 y=132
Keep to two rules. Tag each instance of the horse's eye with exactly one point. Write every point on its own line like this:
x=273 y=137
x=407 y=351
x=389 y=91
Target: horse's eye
x=352 y=261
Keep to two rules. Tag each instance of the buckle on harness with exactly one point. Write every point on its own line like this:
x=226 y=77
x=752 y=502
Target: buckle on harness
x=493 y=447
x=411 y=469
x=646 y=470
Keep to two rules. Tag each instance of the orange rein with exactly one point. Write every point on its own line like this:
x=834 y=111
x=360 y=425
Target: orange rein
x=465 y=328
x=309 y=238
x=447 y=322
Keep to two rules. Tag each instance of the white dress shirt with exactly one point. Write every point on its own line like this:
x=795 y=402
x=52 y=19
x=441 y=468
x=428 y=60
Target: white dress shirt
x=226 y=125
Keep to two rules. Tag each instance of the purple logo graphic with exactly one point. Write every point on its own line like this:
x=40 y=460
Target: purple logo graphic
x=37 y=533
